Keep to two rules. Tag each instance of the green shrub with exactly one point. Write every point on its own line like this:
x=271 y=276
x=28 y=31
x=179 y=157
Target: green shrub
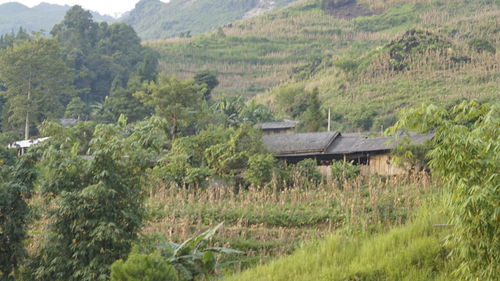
x=414 y=42
x=171 y=172
x=362 y=117
x=482 y=45
x=260 y=169
x=344 y=170
x=197 y=176
x=192 y=259
x=307 y=169
x=140 y=267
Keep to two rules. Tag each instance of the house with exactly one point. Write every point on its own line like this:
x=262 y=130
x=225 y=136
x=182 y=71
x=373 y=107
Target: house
x=371 y=155
x=282 y=127
x=22 y=146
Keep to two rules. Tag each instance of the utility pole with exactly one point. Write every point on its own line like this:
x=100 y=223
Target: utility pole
x=329 y=119
x=27 y=121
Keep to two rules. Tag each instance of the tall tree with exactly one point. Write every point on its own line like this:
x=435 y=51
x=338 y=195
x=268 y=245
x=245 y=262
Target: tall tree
x=122 y=102
x=100 y=53
x=99 y=208
x=209 y=79
x=37 y=82
x=312 y=119
x=77 y=30
x=178 y=101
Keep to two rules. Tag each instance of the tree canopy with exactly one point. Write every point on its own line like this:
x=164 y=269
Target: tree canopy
x=37 y=82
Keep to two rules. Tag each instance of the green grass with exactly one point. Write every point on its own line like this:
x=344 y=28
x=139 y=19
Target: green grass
x=411 y=252
x=396 y=19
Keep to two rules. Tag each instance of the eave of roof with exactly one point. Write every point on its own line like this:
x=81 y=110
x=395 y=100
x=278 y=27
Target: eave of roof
x=276 y=125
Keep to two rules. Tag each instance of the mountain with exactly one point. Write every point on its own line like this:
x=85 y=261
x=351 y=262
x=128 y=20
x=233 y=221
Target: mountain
x=14 y=15
x=153 y=19
x=369 y=59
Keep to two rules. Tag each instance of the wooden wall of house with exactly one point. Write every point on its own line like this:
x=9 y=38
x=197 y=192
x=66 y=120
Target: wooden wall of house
x=381 y=164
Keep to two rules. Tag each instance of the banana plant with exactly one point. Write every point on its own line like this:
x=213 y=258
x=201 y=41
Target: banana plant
x=193 y=258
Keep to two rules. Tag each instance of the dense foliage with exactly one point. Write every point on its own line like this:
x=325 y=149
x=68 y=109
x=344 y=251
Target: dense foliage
x=465 y=157
x=37 y=82
x=88 y=70
x=170 y=156
x=16 y=188
x=100 y=54
x=98 y=209
x=178 y=101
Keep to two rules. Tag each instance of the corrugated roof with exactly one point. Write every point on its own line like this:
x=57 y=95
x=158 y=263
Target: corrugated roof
x=295 y=144
x=27 y=143
x=276 y=125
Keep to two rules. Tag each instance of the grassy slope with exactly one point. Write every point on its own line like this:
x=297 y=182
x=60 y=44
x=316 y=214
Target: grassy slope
x=258 y=54
x=412 y=252
x=267 y=224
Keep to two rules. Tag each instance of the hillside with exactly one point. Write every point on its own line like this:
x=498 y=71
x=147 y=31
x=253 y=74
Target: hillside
x=411 y=252
x=154 y=19
x=344 y=49
x=41 y=17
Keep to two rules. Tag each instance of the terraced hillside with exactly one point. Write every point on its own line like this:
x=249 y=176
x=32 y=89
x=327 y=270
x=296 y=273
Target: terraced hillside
x=358 y=54
x=153 y=19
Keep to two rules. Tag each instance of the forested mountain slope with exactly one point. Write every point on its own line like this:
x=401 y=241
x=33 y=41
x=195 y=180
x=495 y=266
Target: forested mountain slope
x=154 y=19
x=14 y=15
x=367 y=58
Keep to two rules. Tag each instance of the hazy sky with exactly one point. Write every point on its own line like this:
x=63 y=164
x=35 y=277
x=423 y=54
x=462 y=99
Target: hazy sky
x=109 y=7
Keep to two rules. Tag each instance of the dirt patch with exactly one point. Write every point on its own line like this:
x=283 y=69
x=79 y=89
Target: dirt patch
x=346 y=9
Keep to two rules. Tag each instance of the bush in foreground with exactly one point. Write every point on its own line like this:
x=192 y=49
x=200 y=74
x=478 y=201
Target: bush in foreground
x=139 y=267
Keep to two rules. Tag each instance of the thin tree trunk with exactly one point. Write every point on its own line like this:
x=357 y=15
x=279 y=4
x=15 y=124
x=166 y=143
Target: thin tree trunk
x=27 y=124
x=174 y=129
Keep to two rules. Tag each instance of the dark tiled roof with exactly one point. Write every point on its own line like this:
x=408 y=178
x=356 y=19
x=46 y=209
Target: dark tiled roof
x=276 y=125
x=334 y=143
x=299 y=144
x=344 y=144
x=387 y=143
